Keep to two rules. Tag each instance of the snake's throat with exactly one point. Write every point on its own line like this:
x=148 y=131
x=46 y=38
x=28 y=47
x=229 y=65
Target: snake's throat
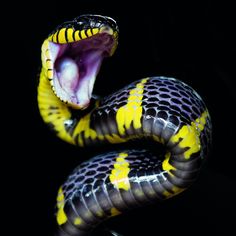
x=75 y=67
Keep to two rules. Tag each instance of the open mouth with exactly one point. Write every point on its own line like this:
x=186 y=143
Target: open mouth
x=76 y=64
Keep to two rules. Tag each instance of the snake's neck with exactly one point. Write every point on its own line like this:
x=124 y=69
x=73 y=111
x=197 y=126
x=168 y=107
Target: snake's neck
x=55 y=113
x=78 y=127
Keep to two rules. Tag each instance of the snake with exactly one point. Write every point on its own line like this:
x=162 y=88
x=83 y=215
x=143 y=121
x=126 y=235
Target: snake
x=163 y=111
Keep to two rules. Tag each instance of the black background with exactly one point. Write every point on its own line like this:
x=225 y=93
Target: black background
x=193 y=42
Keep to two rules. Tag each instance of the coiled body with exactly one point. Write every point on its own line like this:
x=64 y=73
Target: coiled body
x=163 y=110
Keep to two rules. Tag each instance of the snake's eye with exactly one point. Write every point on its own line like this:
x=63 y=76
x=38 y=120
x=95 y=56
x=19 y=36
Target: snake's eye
x=76 y=52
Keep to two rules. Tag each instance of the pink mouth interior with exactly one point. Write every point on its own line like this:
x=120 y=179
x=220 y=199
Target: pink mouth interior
x=76 y=66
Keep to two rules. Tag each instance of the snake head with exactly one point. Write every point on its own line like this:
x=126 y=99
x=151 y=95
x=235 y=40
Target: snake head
x=72 y=55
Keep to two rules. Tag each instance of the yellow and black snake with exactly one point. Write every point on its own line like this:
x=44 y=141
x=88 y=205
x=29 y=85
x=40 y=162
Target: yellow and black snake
x=163 y=110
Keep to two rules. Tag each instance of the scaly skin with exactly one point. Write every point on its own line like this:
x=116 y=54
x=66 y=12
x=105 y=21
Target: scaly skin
x=164 y=110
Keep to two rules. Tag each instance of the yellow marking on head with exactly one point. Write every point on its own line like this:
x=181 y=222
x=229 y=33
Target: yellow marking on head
x=190 y=135
x=77 y=221
x=50 y=38
x=132 y=111
x=95 y=31
x=54 y=37
x=115 y=212
x=119 y=175
x=89 y=32
x=83 y=35
x=176 y=191
x=61 y=216
x=62 y=36
x=166 y=165
x=70 y=32
x=77 y=37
